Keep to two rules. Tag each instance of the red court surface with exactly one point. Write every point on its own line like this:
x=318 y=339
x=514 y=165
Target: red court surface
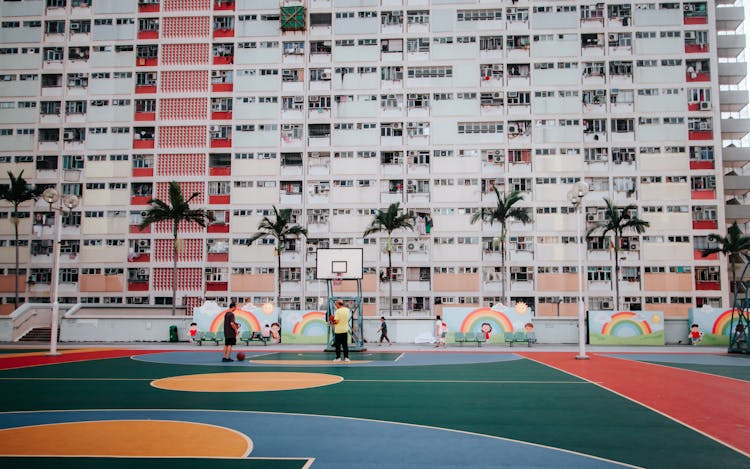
x=22 y=360
x=710 y=404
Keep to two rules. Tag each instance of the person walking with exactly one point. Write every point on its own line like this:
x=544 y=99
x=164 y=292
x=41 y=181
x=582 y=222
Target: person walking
x=341 y=330
x=230 y=332
x=383 y=332
x=441 y=330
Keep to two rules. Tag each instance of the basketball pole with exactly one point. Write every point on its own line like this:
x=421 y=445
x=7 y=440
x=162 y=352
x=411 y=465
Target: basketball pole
x=356 y=321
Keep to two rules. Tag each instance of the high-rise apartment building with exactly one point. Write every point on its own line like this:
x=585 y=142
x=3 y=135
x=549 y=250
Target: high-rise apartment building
x=335 y=108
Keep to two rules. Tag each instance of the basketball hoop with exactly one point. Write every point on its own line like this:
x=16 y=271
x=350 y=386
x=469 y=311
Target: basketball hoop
x=338 y=280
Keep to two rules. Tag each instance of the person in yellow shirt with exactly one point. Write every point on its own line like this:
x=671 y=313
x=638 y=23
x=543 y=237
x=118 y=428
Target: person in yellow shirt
x=341 y=330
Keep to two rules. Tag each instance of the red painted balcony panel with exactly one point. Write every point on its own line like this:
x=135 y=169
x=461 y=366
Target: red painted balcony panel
x=221 y=87
x=145 y=116
x=696 y=48
x=143 y=172
x=705 y=224
x=140 y=199
x=149 y=8
x=137 y=286
x=218 y=199
x=150 y=89
x=141 y=258
x=695 y=20
x=221 y=143
x=708 y=164
x=148 y=34
x=223 y=5
x=700 y=135
x=227 y=115
x=224 y=33
x=149 y=62
x=224 y=60
x=222 y=171
x=694 y=107
x=217 y=286
x=707 y=285
x=144 y=143
x=697 y=76
x=224 y=228
x=698 y=255
x=134 y=229
x=218 y=256
x=703 y=194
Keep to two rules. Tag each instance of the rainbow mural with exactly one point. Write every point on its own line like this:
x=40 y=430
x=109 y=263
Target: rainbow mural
x=473 y=321
x=723 y=323
x=246 y=319
x=626 y=327
x=626 y=324
x=311 y=324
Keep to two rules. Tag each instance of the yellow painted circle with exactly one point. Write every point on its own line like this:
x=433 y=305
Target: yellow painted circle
x=125 y=438
x=245 y=382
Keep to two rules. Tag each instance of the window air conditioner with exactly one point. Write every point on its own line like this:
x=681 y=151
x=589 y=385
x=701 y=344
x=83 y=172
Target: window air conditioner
x=705 y=106
x=68 y=135
x=299 y=99
x=703 y=126
x=75 y=26
x=689 y=7
x=512 y=129
x=606 y=305
x=600 y=92
x=411 y=246
x=613 y=37
x=325 y=75
x=143 y=272
x=142 y=243
x=690 y=35
x=314 y=99
x=397 y=125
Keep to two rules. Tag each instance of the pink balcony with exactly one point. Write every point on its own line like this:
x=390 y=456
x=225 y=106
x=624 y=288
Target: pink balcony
x=698 y=255
x=218 y=228
x=224 y=5
x=706 y=285
x=147 y=62
x=703 y=164
x=225 y=115
x=224 y=60
x=134 y=229
x=149 y=8
x=141 y=258
x=695 y=20
x=140 y=199
x=224 y=33
x=696 y=48
x=700 y=135
x=697 y=76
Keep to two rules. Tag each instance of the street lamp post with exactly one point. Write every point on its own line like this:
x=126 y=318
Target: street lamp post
x=68 y=203
x=575 y=196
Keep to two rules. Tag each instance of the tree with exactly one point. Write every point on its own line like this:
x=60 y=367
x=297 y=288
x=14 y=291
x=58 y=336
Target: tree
x=504 y=212
x=18 y=192
x=730 y=246
x=618 y=220
x=178 y=210
x=280 y=228
x=388 y=221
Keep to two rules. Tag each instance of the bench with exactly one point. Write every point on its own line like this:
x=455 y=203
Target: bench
x=520 y=337
x=471 y=337
x=249 y=336
x=201 y=337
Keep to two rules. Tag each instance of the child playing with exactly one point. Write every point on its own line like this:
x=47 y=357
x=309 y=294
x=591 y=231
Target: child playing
x=193 y=331
x=695 y=335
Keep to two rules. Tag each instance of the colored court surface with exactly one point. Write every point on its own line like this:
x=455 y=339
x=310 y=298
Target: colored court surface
x=444 y=409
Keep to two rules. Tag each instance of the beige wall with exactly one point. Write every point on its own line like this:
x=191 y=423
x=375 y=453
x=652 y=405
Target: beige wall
x=101 y=283
x=455 y=282
x=557 y=282
x=668 y=282
x=253 y=282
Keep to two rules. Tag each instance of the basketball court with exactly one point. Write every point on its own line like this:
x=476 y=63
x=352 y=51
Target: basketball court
x=410 y=408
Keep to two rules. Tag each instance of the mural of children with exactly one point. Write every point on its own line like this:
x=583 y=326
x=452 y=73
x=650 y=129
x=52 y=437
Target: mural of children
x=266 y=334
x=275 y=328
x=530 y=334
x=695 y=335
x=486 y=329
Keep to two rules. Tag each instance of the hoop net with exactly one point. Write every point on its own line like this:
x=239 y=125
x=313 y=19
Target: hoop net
x=338 y=280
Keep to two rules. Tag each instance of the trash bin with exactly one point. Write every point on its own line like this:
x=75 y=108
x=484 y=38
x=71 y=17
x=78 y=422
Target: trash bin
x=173 y=334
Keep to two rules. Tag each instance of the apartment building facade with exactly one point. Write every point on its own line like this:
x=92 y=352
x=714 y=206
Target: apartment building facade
x=335 y=108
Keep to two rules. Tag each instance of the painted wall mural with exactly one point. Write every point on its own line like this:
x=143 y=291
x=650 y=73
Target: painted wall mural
x=210 y=317
x=714 y=325
x=626 y=328
x=495 y=320
x=304 y=327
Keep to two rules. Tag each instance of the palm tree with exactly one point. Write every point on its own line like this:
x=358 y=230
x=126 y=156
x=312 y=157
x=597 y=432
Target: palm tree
x=504 y=212
x=18 y=192
x=618 y=220
x=176 y=211
x=389 y=220
x=731 y=246
x=281 y=229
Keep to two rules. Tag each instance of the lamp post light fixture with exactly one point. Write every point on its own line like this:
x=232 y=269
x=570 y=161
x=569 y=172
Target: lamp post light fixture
x=575 y=197
x=68 y=203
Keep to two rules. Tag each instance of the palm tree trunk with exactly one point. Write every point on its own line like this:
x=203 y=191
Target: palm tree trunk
x=390 y=283
x=174 y=269
x=15 y=225
x=278 y=286
x=617 y=274
x=503 y=274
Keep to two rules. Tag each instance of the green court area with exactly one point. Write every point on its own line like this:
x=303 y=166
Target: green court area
x=517 y=399
x=322 y=356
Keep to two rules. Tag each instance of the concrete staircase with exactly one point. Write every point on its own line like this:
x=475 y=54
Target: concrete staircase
x=38 y=334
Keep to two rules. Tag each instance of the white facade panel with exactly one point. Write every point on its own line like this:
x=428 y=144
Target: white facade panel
x=257 y=55
x=356 y=25
x=19 y=116
x=20 y=88
x=101 y=7
x=668 y=221
x=248 y=83
x=661 y=17
x=552 y=106
x=111 y=86
x=356 y=54
x=256 y=139
x=454 y=107
x=256 y=28
x=659 y=46
x=659 y=74
x=110 y=114
x=110 y=59
x=124 y=32
x=109 y=141
x=664 y=163
x=570 y=46
x=441 y=20
x=664 y=192
x=17 y=142
x=555 y=20
x=255 y=110
x=259 y=196
x=22 y=61
x=662 y=133
x=22 y=34
x=666 y=252
x=358 y=138
x=556 y=77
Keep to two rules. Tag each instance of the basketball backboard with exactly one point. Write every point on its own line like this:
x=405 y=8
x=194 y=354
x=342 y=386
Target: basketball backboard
x=343 y=263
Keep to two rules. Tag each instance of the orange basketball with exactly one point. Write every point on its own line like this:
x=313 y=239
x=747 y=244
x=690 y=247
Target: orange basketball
x=240 y=356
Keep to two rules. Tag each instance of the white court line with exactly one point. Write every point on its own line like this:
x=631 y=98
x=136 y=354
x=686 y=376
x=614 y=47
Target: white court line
x=399 y=357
